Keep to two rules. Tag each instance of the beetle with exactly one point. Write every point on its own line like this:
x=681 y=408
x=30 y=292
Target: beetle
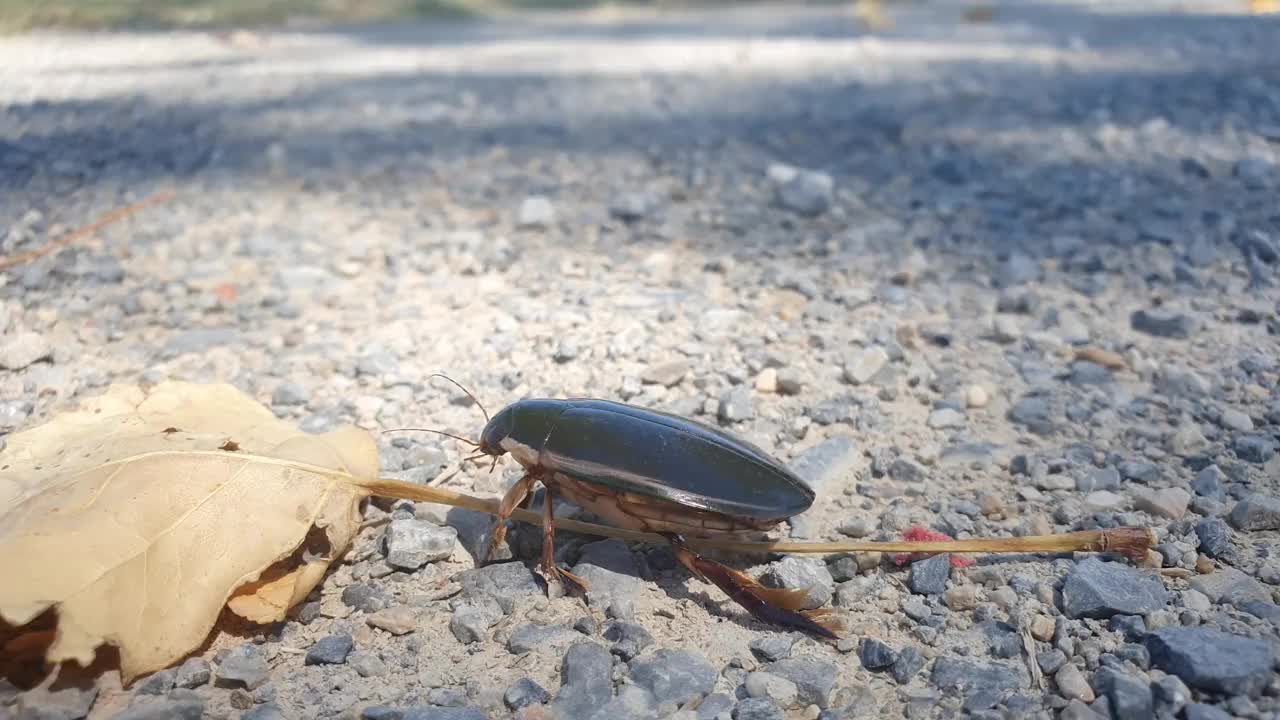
x=651 y=471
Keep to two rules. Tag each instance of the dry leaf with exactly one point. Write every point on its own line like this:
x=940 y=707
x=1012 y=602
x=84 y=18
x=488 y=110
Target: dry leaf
x=126 y=518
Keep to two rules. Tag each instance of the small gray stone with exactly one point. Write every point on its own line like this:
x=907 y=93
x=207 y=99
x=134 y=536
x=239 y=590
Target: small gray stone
x=865 y=365
x=1051 y=661
x=1257 y=449
x=525 y=692
x=158 y=683
x=1215 y=537
x=674 y=676
x=735 y=405
x=362 y=596
x=22 y=349
x=946 y=418
x=627 y=639
x=779 y=689
x=1229 y=585
x=536 y=211
x=829 y=461
x=398 y=620
x=929 y=576
x=665 y=374
x=807 y=574
x=813 y=676
x=1233 y=419
x=289 y=393
x=632 y=206
x=472 y=618
x=1098 y=589
x=805 y=192
x=1200 y=711
x=243 y=666
x=1212 y=660
x=1208 y=482
x=183 y=707
x=758 y=708
x=1139 y=471
x=713 y=705
x=951 y=672
x=875 y=655
x=412 y=543
x=631 y=703
x=330 y=650
x=1072 y=684
x=909 y=662
x=1164 y=323
x=772 y=647
x=1256 y=512
x=192 y=673
x=1034 y=413
x=586 y=683
x=1128 y=696
x=1106 y=478
x=71 y=702
x=612 y=576
x=504 y=582
x=367 y=665
x=567 y=350
x=551 y=639
x=1168 y=503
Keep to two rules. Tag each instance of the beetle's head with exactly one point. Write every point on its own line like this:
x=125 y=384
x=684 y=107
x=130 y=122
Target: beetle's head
x=496 y=430
x=521 y=428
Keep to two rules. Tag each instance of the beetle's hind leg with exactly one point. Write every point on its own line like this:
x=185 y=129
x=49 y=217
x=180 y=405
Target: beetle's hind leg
x=549 y=571
x=514 y=497
x=772 y=605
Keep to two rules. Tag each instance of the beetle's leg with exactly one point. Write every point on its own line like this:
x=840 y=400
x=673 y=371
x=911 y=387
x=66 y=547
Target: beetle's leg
x=550 y=572
x=513 y=498
x=772 y=605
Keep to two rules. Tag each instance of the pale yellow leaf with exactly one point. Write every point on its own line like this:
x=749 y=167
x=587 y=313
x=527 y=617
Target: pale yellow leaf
x=139 y=515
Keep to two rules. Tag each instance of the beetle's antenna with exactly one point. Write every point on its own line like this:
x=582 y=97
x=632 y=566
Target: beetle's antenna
x=472 y=443
x=468 y=392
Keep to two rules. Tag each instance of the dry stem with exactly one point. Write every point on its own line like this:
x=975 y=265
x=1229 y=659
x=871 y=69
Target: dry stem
x=113 y=216
x=1130 y=542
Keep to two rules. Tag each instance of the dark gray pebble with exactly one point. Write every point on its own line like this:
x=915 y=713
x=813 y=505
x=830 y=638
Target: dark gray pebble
x=627 y=639
x=525 y=692
x=761 y=708
x=1128 y=696
x=814 y=677
x=1164 y=323
x=876 y=655
x=929 y=576
x=586 y=684
x=772 y=647
x=674 y=676
x=1099 y=589
x=1212 y=660
x=331 y=650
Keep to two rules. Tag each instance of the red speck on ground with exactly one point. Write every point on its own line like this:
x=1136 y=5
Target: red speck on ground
x=918 y=533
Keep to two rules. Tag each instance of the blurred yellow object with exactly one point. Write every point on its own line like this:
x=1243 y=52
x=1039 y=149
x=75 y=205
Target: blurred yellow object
x=1264 y=7
x=871 y=14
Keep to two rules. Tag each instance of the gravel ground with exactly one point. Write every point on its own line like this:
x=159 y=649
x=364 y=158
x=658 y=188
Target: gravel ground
x=994 y=278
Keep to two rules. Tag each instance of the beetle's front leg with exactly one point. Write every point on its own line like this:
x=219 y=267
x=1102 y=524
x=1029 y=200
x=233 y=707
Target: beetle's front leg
x=513 y=498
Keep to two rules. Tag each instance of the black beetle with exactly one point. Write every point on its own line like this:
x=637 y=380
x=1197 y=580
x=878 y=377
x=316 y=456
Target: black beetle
x=650 y=471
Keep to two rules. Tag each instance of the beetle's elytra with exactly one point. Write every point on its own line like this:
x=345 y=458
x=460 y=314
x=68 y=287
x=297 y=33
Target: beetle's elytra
x=654 y=472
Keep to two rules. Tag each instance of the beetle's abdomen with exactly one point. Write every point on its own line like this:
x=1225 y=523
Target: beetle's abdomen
x=648 y=513
x=637 y=451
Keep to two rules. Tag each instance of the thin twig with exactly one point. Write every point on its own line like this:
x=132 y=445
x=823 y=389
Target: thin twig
x=59 y=243
x=1133 y=542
